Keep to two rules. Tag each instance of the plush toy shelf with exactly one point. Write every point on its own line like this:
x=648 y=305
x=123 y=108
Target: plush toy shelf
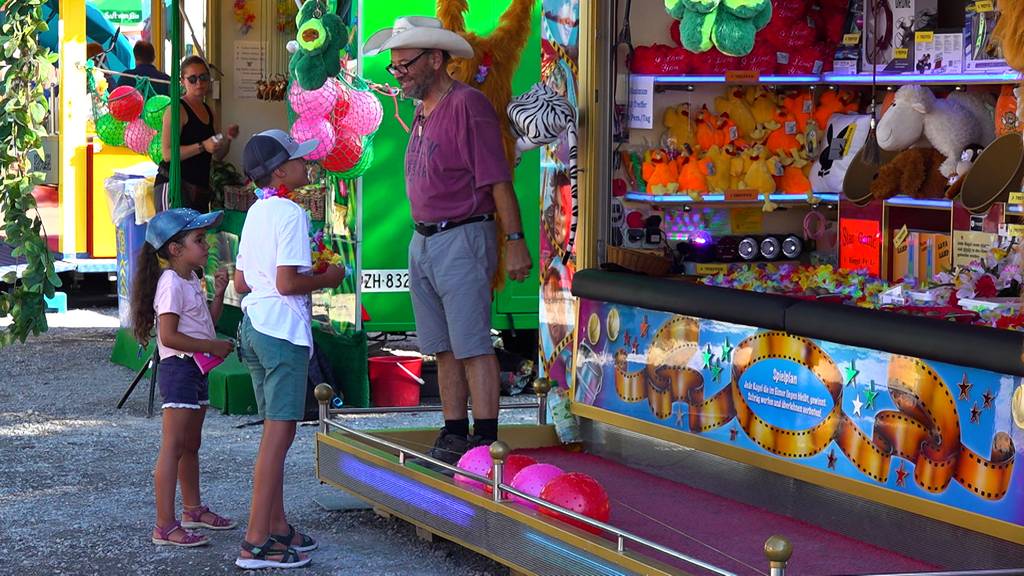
x=684 y=81
x=720 y=198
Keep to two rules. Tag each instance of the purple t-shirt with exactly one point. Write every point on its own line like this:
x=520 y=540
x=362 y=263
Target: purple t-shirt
x=454 y=158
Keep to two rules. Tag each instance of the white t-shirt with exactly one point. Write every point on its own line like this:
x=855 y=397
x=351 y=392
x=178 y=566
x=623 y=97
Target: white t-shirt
x=276 y=233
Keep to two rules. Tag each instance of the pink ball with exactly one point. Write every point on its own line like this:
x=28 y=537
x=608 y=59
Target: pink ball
x=314 y=103
x=137 y=136
x=364 y=112
x=320 y=129
x=513 y=464
x=478 y=461
x=532 y=480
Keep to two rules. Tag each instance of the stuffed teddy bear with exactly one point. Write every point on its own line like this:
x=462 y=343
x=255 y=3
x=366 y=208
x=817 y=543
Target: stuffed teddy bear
x=914 y=172
x=680 y=125
x=320 y=40
x=950 y=125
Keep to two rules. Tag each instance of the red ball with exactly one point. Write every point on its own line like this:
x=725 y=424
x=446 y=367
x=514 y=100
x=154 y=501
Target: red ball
x=341 y=107
x=348 y=149
x=125 y=103
x=513 y=464
x=579 y=493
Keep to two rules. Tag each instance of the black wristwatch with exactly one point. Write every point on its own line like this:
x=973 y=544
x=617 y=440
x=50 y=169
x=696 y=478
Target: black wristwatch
x=514 y=236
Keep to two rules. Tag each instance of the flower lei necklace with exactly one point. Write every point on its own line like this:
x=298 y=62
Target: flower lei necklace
x=281 y=191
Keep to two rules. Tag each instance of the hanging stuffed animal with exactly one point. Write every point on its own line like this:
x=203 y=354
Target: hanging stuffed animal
x=733 y=104
x=729 y=25
x=693 y=177
x=320 y=39
x=680 y=126
x=717 y=163
x=1007 y=120
x=661 y=173
x=538 y=118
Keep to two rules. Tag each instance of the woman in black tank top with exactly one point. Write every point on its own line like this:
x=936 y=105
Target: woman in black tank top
x=201 y=141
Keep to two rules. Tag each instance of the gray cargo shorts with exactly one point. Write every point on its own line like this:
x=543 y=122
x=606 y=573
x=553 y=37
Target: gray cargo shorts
x=450 y=284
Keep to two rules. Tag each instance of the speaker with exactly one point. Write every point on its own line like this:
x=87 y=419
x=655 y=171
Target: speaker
x=748 y=249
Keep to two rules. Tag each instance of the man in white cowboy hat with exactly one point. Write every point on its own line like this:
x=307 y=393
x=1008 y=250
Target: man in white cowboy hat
x=457 y=180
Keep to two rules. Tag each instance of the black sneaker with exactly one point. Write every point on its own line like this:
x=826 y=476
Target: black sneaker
x=448 y=448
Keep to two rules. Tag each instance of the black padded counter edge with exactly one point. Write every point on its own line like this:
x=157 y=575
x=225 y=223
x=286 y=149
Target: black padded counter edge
x=965 y=345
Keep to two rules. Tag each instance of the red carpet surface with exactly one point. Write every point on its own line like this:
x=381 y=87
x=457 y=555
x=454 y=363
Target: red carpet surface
x=719 y=531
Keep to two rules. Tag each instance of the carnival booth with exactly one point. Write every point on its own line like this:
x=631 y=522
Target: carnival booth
x=780 y=301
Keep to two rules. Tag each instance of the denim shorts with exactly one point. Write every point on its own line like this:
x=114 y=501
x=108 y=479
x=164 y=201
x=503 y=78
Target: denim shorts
x=181 y=383
x=279 y=371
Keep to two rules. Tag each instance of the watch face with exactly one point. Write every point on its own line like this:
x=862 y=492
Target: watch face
x=771 y=248
x=748 y=248
x=792 y=246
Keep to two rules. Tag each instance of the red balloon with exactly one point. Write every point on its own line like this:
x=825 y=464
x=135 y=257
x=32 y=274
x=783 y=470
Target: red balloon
x=348 y=148
x=579 y=493
x=513 y=464
x=125 y=103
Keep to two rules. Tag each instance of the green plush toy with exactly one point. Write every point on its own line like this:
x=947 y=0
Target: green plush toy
x=729 y=25
x=321 y=38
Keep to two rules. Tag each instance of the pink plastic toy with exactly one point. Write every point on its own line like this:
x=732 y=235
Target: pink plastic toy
x=532 y=480
x=320 y=129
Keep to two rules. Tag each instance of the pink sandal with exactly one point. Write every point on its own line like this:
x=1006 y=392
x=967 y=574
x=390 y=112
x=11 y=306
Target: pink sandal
x=193 y=518
x=189 y=540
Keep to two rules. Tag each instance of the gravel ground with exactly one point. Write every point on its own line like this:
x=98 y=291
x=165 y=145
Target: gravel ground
x=76 y=476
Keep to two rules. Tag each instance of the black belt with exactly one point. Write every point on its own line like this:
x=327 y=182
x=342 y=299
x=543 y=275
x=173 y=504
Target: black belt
x=431 y=229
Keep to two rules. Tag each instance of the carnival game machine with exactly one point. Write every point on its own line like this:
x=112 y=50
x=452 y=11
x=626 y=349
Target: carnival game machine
x=747 y=375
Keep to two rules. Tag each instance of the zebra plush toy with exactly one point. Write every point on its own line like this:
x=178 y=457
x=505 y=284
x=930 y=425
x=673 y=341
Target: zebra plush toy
x=538 y=117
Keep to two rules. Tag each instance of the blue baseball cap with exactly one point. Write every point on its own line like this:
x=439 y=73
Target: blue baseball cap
x=265 y=151
x=168 y=223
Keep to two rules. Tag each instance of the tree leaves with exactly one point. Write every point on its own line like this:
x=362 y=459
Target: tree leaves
x=25 y=70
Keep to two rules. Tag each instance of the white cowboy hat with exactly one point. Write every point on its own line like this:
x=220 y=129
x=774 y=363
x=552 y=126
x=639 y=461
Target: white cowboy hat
x=418 y=32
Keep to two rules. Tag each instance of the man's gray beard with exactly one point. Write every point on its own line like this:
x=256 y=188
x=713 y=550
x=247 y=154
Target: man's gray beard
x=417 y=92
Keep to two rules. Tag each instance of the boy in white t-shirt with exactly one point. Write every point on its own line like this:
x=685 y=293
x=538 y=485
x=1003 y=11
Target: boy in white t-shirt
x=274 y=271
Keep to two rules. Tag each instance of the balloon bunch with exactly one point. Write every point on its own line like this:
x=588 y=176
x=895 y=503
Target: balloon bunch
x=133 y=122
x=343 y=119
x=571 y=490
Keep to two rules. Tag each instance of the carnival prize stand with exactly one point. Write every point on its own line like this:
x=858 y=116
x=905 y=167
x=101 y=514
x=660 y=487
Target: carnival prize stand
x=752 y=358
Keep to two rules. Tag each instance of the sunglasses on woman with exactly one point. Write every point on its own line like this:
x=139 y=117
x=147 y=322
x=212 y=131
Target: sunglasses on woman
x=194 y=79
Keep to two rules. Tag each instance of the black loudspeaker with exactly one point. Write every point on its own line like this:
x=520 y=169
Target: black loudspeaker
x=727 y=249
x=771 y=248
x=792 y=246
x=749 y=249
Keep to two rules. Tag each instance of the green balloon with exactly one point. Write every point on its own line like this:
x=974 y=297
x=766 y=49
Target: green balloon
x=153 y=111
x=156 y=152
x=110 y=130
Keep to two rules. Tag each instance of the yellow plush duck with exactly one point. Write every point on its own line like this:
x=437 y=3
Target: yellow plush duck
x=718 y=163
x=759 y=177
x=733 y=104
x=763 y=104
x=680 y=125
x=660 y=173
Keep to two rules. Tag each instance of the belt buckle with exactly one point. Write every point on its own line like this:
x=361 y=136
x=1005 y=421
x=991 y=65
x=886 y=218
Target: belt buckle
x=442 y=226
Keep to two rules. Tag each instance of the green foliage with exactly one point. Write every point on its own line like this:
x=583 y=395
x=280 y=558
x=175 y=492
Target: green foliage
x=26 y=68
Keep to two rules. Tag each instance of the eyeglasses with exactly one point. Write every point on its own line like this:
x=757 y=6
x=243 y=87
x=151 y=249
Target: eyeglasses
x=193 y=79
x=403 y=69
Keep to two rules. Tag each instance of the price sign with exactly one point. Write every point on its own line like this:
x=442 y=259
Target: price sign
x=742 y=77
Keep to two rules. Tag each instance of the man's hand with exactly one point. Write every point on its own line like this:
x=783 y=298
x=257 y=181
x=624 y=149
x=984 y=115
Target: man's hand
x=517 y=260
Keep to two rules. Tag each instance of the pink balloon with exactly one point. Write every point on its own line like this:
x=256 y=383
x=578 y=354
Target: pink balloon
x=137 y=136
x=320 y=129
x=364 y=113
x=478 y=461
x=314 y=103
x=532 y=480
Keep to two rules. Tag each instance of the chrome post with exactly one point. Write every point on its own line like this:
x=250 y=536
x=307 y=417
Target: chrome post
x=499 y=452
x=401 y=458
x=541 y=387
x=323 y=393
x=778 y=550
x=622 y=544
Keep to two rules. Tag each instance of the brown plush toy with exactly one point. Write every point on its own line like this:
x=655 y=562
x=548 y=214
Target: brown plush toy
x=913 y=172
x=499 y=54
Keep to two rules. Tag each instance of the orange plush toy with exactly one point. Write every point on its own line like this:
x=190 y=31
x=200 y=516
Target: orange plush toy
x=834 y=102
x=660 y=173
x=800 y=105
x=693 y=176
x=786 y=139
x=1007 y=121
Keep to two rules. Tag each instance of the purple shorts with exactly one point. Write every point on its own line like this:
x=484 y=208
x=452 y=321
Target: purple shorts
x=182 y=385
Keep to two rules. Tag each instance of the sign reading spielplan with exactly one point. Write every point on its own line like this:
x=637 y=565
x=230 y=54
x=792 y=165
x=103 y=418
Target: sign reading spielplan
x=943 y=433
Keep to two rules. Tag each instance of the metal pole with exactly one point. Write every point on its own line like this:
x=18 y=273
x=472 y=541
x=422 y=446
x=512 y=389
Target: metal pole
x=778 y=550
x=499 y=452
x=174 y=184
x=541 y=387
x=323 y=393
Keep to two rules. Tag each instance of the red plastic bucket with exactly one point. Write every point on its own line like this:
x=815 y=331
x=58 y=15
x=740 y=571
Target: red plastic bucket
x=390 y=385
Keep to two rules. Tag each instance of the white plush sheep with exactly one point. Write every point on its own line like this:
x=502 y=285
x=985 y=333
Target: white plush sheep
x=950 y=125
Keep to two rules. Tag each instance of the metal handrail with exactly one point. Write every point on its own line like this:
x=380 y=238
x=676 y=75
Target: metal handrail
x=998 y=572
x=500 y=488
x=428 y=408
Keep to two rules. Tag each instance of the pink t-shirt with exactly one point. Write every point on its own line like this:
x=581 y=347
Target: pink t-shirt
x=454 y=157
x=184 y=298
